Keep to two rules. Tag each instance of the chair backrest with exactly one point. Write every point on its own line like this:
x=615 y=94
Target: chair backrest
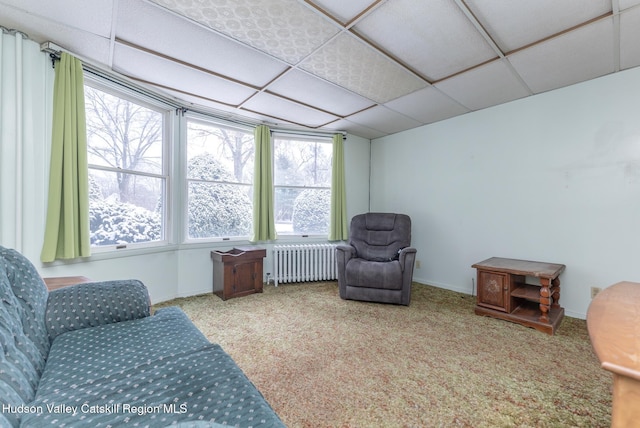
x=380 y=236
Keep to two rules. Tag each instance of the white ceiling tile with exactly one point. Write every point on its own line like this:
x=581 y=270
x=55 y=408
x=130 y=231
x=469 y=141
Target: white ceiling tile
x=312 y=71
x=629 y=37
x=155 y=28
x=284 y=109
x=147 y=67
x=625 y=4
x=344 y=11
x=285 y=29
x=514 y=24
x=351 y=63
x=307 y=89
x=82 y=44
x=579 y=55
x=70 y=13
x=200 y=104
x=427 y=105
x=419 y=34
x=384 y=120
x=221 y=111
x=491 y=84
x=355 y=129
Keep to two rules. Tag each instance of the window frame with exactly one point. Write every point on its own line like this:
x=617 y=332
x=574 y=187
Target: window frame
x=174 y=151
x=167 y=111
x=213 y=122
x=294 y=136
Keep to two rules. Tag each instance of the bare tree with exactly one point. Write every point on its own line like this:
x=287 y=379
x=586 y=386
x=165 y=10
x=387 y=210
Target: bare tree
x=123 y=135
x=238 y=145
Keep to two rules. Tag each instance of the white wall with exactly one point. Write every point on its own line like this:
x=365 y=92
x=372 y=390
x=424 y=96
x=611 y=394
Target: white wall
x=25 y=123
x=553 y=177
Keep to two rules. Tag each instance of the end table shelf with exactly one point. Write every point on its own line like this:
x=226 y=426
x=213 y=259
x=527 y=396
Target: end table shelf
x=529 y=292
x=504 y=294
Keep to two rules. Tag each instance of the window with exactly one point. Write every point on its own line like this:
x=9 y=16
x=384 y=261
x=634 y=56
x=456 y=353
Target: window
x=127 y=168
x=302 y=180
x=128 y=140
x=219 y=180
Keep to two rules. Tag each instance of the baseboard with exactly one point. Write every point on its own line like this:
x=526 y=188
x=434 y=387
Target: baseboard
x=464 y=290
x=573 y=314
x=192 y=293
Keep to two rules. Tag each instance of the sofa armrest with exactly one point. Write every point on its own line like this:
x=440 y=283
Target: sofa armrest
x=95 y=303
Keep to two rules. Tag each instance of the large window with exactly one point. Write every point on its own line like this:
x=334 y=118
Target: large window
x=219 y=180
x=127 y=168
x=128 y=139
x=302 y=180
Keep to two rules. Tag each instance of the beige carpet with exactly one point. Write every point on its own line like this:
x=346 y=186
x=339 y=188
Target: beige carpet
x=324 y=362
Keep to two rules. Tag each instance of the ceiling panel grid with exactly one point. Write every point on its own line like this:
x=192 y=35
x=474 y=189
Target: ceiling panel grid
x=368 y=67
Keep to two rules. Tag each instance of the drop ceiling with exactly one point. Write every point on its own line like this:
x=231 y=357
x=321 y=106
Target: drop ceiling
x=367 y=67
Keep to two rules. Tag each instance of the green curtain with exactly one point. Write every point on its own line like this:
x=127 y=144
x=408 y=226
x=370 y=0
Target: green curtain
x=67 y=223
x=338 y=223
x=264 y=225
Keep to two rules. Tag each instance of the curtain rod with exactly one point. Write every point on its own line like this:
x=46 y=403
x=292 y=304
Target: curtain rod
x=13 y=31
x=309 y=133
x=55 y=50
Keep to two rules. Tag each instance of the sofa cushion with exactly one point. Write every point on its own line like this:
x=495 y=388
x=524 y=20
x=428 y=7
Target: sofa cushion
x=95 y=303
x=83 y=355
x=365 y=273
x=198 y=384
x=152 y=371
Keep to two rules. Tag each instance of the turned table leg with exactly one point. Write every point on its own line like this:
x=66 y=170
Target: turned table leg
x=545 y=300
x=556 y=293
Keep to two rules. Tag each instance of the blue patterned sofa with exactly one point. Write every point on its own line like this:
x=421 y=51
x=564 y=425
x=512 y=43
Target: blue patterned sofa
x=92 y=355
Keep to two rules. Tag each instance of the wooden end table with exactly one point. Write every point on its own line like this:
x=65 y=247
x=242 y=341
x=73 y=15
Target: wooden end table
x=56 y=282
x=504 y=294
x=237 y=272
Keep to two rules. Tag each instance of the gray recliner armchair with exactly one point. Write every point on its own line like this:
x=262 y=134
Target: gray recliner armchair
x=377 y=264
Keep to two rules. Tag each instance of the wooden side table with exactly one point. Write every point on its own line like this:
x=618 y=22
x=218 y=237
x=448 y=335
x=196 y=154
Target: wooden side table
x=237 y=272
x=613 y=321
x=504 y=294
x=56 y=282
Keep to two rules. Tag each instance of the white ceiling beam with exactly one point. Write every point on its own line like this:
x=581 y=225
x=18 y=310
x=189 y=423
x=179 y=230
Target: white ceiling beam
x=615 y=8
x=487 y=37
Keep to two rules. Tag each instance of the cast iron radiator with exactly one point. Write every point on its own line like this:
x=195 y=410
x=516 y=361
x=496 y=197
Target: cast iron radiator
x=303 y=263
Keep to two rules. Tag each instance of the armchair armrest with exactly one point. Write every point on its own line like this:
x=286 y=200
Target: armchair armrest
x=95 y=303
x=346 y=248
x=407 y=257
x=344 y=252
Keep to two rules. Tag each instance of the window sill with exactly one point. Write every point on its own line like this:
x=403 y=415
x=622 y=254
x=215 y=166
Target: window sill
x=107 y=253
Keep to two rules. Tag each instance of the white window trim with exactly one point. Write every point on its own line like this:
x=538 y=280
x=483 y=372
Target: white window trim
x=167 y=110
x=176 y=219
x=209 y=121
x=299 y=137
